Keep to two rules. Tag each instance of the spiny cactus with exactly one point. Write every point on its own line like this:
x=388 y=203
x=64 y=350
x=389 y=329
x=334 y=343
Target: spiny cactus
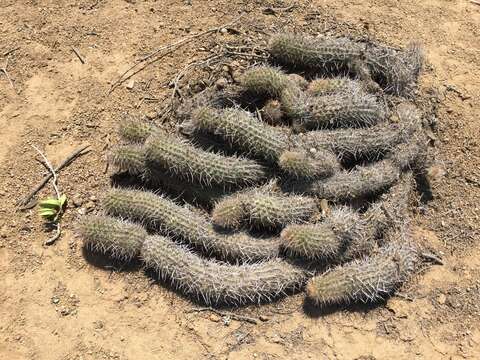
x=276 y=147
x=136 y=131
x=354 y=109
x=347 y=185
x=308 y=165
x=208 y=280
x=120 y=239
x=178 y=156
x=243 y=129
x=295 y=103
x=177 y=221
x=263 y=207
x=231 y=212
x=369 y=142
x=272 y=112
x=229 y=96
x=367 y=280
x=298 y=80
x=322 y=240
x=217 y=283
x=270 y=143
x=300 y=51
x=329 y=86
x=344 y=234
x=273 y=83
x=277 y=210
x=266 y=81
x=366 y=180
x=395 y=70
x=129 y=158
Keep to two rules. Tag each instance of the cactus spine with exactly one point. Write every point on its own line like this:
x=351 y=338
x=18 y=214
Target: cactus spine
x=355 y=109
x=270 y=143
x=395 y=70
x=366 y=280
x=179 y=157
x=217 y=283
x=136 y=131
x=329 y=86
x=366 y=143
x=346 y=235
x=263 y=207
x=177 y=221
x=208 y=280
x=323 y=53
x=120 y=239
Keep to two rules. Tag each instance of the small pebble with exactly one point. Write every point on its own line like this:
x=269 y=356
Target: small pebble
x=89 y=205
x=151 y=115
x=77 y=201
x=214 y=318
x=221 y=83
x=3 y=231
x=264 y=318
x=130 y=84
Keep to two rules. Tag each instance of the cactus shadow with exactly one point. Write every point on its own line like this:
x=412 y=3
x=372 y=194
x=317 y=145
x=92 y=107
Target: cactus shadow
x=314 y=311
x=106 y=262
x=424 y=187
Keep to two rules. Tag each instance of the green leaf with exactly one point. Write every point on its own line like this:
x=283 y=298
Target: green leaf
x=50 y=203
x=47 y=212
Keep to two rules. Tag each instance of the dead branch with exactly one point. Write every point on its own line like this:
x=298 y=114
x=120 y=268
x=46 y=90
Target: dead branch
x=4 y=70
x=80 y=57
x=58 y=232
x=273 y=10
x=10 y=51
x=225 y=313
x=434 y=259
x=162 y=52
x=81 y=151
x=50 y=168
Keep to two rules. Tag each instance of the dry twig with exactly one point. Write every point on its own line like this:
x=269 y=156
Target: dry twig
x=23 y=202
x=273 y=10
x=80 y=57
x=4 y=70
x=161 y=53
x=228 y=314
x=434 y=259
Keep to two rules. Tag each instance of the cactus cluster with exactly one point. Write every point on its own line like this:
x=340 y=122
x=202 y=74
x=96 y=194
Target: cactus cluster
x=277 y=182
x=395 y=70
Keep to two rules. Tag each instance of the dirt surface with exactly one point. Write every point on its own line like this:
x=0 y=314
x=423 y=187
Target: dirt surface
x=60 y=302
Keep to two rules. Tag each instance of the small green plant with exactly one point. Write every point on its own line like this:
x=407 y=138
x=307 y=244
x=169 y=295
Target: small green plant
x=52 y=209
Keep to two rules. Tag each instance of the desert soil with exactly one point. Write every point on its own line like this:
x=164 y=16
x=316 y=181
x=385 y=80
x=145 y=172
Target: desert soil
x=61 y=302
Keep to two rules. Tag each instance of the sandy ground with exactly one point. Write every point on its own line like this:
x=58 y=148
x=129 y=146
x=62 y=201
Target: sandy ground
x=59 y=302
